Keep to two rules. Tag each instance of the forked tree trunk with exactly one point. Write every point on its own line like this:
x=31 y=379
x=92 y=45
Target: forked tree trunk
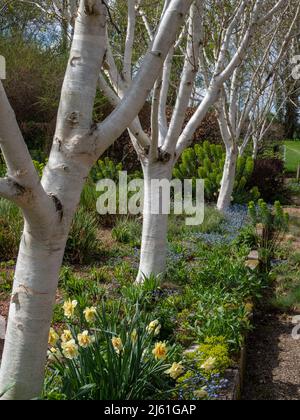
x=35 y=283
x=227 y=183
x=155 y=226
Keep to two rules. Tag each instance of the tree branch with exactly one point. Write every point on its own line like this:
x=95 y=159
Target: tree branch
x=162 y=114
x=135 y=127
x=81 y=79
x=127 y=62
x=116 y=123
x=188 y=76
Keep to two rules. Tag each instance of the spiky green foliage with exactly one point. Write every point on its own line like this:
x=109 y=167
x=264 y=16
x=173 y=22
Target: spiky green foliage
x=206 y=162
x=203 y=162
x=107 y=169
x=271 y=224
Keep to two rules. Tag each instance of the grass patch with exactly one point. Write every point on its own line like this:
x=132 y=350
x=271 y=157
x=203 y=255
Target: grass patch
x=292 y=155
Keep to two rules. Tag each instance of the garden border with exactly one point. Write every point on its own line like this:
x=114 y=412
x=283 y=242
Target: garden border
x=236 y=375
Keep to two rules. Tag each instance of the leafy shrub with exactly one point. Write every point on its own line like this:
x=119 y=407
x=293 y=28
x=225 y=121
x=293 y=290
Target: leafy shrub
x=115 y=359
x=272 y=149
x=216 y=313
x=39 y=166
x=127 y=232
x=216 y=350
x=11 y=225
x=204 y=368
x=35 y=93
x=270 y=225
x=82 y=243
x=244 y=171
x=89 y=197
x=177 y=228
x=207 y=162
x=211 y=301
x=268 y=177
x=74 y=285
x=247 y=237
x=2 y=167
x=107 y=169
x=6 y=278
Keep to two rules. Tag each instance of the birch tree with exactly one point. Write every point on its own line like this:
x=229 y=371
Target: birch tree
x=48 y=205
x=243 y=102
x=209 y=22
x=267 y=111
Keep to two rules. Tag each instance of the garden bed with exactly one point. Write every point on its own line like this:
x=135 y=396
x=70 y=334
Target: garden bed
x=206 y=300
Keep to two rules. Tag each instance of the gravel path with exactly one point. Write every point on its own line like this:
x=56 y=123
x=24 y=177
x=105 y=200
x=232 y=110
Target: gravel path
x=273 y=360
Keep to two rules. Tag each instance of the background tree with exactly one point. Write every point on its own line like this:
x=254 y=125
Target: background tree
x=246 y=89
x=209 y=39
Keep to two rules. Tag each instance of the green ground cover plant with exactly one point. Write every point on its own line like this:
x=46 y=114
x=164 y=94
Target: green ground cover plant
x=204 y=304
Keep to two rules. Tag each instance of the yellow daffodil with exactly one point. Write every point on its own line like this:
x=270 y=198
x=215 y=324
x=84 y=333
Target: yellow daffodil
x=53 y=338
x=90 y=314
x=157 y=330
x=134 y=336
x=201 y=394
x=160 y=350
x=54 y=354
x=70 y=349
x=176 y=370
x=209 y=364
x=69 y=308
x=66 y=336
x=117 y=344
x=85 y=340
x=154 y=327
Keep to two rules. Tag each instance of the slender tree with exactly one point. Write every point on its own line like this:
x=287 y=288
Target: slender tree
x=243 y=95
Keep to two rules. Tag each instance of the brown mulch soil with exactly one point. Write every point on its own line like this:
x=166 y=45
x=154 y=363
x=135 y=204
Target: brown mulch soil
x=273 y=360
x=4 y=306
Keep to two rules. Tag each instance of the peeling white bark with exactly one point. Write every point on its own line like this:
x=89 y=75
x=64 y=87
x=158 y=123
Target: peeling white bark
x=227 y=184
x=154 y=237
x=30 y=315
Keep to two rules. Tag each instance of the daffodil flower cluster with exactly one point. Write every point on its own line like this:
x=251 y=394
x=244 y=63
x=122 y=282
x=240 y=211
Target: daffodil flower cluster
x=154 y=328
x=66 y=345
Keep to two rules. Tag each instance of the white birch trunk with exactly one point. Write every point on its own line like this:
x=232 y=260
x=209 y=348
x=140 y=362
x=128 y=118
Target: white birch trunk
x=30 y=315
x=155 y=226
x=255 y=147
x=34 y=290
x=227 y=183
x=48 y=207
